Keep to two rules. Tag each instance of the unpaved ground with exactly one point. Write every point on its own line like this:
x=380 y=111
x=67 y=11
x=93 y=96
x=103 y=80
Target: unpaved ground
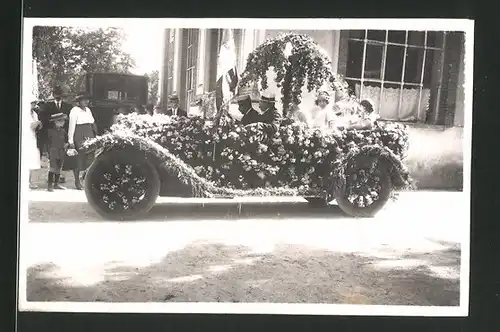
x=206 y=251
x=39 y=176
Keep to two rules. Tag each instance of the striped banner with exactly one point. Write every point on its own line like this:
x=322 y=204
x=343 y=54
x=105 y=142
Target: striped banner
x=227 y=73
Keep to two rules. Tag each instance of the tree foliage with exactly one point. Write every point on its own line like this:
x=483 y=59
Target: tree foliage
x=154 y=79
x=65 y=54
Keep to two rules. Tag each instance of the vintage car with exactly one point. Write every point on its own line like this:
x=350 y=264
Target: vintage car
x=113 y=91
x=145 y=157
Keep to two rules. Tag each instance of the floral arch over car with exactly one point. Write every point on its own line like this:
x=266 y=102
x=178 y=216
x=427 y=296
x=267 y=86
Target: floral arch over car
x=298 y=61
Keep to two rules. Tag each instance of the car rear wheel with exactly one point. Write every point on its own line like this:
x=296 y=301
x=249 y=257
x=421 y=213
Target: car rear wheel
x=368 y=188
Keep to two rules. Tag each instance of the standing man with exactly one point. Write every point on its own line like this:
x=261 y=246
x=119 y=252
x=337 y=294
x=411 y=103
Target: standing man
x=175 y=110
x=149 y=109
x=57 y=105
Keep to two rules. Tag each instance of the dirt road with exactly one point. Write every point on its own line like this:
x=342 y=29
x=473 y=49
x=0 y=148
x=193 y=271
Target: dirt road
x=282 y=251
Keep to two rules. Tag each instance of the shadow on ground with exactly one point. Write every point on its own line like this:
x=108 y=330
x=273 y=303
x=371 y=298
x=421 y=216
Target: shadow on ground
x=81 y=211
x=211 y=272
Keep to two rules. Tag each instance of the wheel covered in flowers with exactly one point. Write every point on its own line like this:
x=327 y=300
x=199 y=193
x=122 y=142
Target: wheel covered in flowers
x=367 y=187
x=122 y=184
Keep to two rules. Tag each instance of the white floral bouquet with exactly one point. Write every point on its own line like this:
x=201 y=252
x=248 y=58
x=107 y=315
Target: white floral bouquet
x=71 y=152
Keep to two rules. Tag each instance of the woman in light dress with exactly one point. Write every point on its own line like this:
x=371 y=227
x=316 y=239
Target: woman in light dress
x=346 y=113
x=322 y=116
x=33 y=151
x=81 y=127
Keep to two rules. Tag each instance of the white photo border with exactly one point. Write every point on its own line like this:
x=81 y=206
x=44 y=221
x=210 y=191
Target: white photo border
x=464 y=25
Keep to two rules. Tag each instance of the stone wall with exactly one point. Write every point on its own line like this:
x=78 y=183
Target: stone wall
x=435 y=157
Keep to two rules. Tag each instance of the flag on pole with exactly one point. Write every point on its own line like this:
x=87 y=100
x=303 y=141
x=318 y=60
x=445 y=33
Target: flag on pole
x=227 y=73
x=34 y=80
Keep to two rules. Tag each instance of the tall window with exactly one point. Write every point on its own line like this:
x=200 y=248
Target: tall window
x=238 y=45
x=191 y=60
x=401 y=71
x=170 y=61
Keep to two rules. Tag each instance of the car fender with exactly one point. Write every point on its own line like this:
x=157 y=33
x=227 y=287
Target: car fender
x=400 y=176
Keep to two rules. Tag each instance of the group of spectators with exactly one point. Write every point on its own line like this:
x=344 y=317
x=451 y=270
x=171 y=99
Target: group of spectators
x=58 y=130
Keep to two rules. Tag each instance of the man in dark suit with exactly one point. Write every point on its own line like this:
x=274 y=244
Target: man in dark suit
x=269 y=116
x=57 y=105
x=250 y=115
x=174 y=110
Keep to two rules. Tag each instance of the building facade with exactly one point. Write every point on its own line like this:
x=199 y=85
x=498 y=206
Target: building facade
x=412 y=76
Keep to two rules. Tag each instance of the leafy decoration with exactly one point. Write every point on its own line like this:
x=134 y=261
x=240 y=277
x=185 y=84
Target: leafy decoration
x=307 y=62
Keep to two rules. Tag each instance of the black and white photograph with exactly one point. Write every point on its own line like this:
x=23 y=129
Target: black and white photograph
x=255 y=166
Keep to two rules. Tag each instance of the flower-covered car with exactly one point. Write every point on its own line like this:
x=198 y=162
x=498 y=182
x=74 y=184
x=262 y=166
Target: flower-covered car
x=144 y=157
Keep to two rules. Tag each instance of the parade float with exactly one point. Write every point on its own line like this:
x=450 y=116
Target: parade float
x=144 y=157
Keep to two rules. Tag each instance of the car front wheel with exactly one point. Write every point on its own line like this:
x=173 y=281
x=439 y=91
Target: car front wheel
x=122 y=185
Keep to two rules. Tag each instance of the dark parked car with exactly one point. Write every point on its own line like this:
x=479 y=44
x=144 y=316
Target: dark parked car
x=112 y=91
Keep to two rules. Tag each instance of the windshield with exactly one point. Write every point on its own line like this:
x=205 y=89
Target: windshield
x=108 y=87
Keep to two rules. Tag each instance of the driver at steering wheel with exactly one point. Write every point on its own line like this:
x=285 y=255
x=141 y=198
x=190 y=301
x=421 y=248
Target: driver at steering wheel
x=270 y=118
x=268 y=121
x=250 y=115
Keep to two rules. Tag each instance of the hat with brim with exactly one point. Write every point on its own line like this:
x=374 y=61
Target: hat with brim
x=57 y=91
x=244 y=100
x=323 y=95
x=58 y=116
x=271 y=100
x=174 y=98
x=82 y=96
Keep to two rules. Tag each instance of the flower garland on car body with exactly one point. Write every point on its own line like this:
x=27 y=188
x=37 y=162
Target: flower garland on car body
x=296 y=161
x=225 y=158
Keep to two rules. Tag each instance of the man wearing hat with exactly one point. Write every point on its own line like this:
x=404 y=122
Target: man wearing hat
x=270 y=116
x=250 y=115
x=57 y=105
x=175 y=110
x=57 y=145
x=158 y=109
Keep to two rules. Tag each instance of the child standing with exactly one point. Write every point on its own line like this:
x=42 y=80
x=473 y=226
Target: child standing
x=57 y=145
